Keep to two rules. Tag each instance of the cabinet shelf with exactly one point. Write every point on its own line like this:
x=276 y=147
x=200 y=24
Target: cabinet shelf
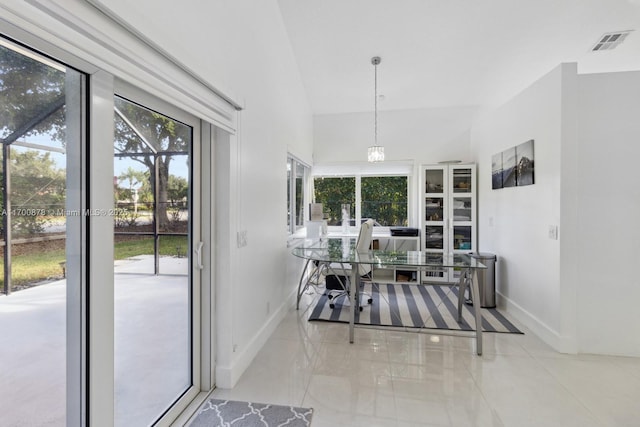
x=392 y=274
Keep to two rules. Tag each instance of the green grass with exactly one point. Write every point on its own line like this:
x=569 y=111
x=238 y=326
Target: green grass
x=35 y=267
x=169 y=246
x=41 y=266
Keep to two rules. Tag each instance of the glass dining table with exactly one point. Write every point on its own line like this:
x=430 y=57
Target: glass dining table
x=341 y=251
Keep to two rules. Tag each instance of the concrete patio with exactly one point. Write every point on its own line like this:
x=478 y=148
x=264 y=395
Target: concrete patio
x=152 y=354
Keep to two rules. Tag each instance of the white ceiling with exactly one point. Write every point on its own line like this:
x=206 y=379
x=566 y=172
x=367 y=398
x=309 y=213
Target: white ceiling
x=448 y=53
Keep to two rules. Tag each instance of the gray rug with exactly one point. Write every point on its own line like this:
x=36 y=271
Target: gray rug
x=414 y=306
x=230 y=413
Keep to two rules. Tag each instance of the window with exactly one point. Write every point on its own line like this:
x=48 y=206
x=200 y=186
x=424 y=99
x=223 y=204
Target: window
x=297 y=179
x=332 y=193
x=382 y=198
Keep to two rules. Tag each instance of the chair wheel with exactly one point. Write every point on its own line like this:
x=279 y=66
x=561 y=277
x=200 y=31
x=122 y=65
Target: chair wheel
x=330 y=296
x=332 y=305
x=360 y=308
x=370 y=300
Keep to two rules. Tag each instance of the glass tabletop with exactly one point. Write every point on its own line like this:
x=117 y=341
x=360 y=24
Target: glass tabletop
x=342 y=250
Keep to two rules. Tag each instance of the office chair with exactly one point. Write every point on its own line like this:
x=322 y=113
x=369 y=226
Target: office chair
x=339 y=286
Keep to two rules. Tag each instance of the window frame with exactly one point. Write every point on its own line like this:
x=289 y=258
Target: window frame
x=293 y=213
x=358 y=196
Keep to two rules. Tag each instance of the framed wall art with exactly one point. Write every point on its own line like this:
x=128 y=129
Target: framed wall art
x=513 y=167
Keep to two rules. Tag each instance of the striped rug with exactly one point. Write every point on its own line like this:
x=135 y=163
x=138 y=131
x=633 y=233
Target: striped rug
x=412 y=306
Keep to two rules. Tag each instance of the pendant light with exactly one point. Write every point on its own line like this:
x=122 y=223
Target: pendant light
x=375 y=153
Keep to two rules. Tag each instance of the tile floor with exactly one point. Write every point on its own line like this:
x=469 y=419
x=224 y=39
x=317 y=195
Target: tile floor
x=403 y=379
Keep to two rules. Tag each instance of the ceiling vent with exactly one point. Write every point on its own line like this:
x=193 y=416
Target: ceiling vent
x=610 y=41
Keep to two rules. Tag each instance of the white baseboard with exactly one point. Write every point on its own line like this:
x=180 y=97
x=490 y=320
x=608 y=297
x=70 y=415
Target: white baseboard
x=228 y=376
x=562 y=344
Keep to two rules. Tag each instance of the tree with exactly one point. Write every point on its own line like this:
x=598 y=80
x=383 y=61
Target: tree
x=332 y=193
x=383 y=198
x=31 y=103
x=178 y=189
x=140 y=134
x=27 y=88
x=133 y=179
x=37 y=189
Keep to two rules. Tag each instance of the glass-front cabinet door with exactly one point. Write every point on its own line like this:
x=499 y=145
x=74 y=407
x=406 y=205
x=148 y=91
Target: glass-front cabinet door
x=462 y=212
x=435 y=208
x=448 y=213
x=462 y=208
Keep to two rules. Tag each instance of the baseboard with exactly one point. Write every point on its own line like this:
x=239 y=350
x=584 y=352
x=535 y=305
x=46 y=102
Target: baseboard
x=228 y=376
x=562 y=344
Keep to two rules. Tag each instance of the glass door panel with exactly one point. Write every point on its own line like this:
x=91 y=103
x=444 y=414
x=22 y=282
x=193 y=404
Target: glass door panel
x=40 y=115
x=175 y=181
x=462 y=209
x=462 y=237
x=462 y=180
x=434 y=209
x=153 y=283
x=434 y=181
x=434 y=237
x=173 y=254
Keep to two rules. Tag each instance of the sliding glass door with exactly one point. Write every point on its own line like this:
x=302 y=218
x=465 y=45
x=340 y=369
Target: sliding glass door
x=157 y=259
x=41 y=129
x=101 y=258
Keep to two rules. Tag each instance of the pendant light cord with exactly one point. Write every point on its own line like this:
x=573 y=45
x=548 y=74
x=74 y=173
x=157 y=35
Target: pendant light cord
x=375 y=101
x=375 y=153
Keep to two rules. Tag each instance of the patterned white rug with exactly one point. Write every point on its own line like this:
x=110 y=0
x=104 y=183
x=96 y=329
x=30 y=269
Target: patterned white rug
x=230 y=413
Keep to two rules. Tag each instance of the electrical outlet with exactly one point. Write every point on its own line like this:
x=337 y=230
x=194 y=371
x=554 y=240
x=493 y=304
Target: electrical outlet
x=242 y=238
x=553 y=232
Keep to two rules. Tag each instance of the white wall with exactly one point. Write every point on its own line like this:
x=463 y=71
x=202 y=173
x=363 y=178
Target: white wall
x=578 y=292
x=426 y=135
x=513 y=222
x=276 y=119
x=608 y=288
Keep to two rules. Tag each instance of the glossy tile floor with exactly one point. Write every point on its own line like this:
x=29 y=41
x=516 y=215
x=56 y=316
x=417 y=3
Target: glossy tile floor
x=403 y=379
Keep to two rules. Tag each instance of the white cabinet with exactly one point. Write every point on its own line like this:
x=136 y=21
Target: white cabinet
x=392 y=274
x=448 y=213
